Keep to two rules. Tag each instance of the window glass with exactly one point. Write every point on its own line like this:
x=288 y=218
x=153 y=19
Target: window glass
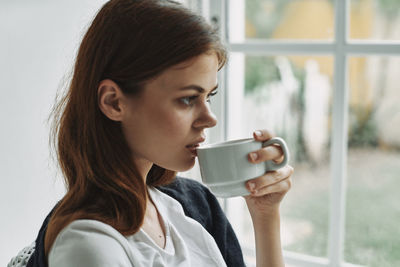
x=291 y=96
x=284 y=19
x=373 y=199
x=375 y=19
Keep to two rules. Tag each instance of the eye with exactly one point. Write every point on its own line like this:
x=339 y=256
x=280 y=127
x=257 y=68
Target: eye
x=188 y=100
x=211 y=95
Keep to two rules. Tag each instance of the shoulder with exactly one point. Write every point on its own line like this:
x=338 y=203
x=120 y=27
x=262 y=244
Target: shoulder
x=89 y=243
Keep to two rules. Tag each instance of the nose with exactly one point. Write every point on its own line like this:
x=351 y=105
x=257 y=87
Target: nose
x=206 y=118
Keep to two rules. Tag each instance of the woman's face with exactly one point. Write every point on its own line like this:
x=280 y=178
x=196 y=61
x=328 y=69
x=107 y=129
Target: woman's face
x=171 y=114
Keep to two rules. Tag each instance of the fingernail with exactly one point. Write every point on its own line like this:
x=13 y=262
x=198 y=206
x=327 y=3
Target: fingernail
x=253 y=156
x=258 y=133
x=252 y=186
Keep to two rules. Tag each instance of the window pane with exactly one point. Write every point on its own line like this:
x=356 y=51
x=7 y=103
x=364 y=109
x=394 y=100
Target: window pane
x=283 y=19
x=291 y=96
x=373 y=199
x=375 y=19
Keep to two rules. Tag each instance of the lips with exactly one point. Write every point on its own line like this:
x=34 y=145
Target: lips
x=193 y=147
x=197 y=142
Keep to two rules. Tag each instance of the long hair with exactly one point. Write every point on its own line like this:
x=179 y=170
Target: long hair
x=129 y=42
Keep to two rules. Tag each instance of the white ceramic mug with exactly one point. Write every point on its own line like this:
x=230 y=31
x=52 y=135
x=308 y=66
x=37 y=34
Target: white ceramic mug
x=225 y=166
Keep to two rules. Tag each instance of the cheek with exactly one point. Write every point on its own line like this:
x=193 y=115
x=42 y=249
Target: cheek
x=173 y=123
x=176 y=125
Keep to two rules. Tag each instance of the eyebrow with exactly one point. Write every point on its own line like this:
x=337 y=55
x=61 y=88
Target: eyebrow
x=197 y=88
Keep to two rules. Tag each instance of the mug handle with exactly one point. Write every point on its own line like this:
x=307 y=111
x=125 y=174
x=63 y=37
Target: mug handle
x=270 y=164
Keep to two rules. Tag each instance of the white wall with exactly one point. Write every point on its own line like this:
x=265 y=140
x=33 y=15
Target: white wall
x=38 y=41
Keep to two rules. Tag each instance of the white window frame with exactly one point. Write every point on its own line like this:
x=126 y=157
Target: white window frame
x=340 y=49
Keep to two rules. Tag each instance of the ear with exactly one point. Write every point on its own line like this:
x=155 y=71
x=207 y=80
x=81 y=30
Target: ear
x=110 y=99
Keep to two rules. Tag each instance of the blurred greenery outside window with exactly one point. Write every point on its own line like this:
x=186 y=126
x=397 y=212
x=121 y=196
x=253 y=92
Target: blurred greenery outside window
x=373 y=129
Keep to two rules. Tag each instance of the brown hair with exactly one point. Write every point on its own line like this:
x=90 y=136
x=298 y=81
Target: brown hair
x=129 y=42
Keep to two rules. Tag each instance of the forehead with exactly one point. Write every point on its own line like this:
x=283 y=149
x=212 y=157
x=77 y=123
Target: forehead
x=201 y=70
x=205 y=62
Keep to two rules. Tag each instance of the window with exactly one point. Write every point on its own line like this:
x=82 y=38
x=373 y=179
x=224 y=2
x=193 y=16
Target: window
x=323 y=75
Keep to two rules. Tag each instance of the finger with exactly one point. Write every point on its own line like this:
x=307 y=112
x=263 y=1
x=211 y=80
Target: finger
x=262 y=135
x=279 y=160
x=272 y=152
x=281 y=187
x=269 y=178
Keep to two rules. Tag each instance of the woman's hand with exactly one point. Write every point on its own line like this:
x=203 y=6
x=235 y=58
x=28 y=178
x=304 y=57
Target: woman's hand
x=268 y=190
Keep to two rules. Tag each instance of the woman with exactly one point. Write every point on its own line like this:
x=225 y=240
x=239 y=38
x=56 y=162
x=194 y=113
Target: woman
x=136 y=109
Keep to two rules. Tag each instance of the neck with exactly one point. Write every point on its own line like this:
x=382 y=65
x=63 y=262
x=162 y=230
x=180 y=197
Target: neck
x=143 y=166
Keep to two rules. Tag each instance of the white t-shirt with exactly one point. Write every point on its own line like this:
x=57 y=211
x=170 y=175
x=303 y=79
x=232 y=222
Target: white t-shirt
x=90 y=243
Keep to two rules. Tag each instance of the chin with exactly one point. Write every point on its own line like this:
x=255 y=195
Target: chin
x=184 y=166
x=180 y=166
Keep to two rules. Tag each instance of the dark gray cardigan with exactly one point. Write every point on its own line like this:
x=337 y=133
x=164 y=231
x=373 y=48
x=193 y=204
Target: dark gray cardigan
x=198 y=203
